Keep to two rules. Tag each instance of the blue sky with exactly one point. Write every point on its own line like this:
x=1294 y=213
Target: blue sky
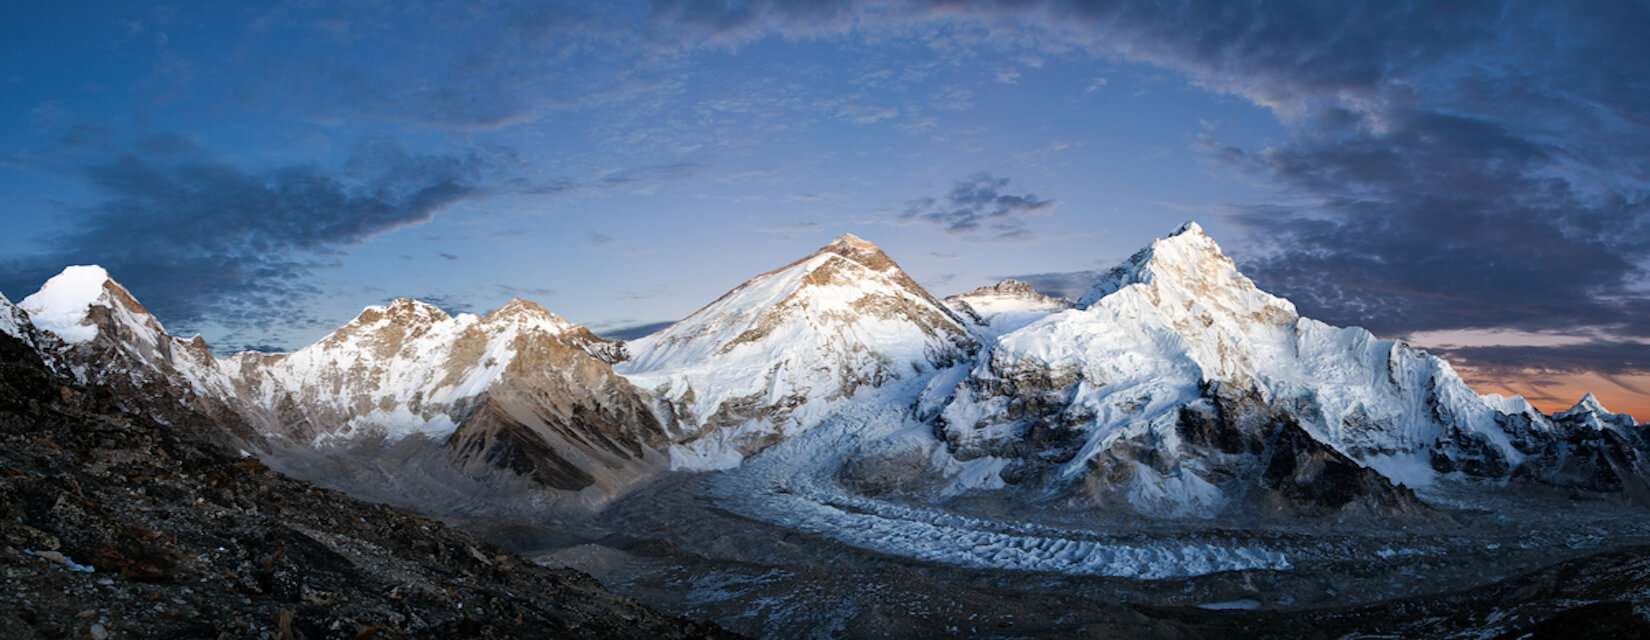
x=259 y=174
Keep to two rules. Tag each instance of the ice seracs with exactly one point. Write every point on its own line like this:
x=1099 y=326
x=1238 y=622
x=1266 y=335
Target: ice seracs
x=780 y=352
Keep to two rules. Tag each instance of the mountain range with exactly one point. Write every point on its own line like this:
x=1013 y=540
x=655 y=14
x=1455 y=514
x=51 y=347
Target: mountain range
x=1174 y=388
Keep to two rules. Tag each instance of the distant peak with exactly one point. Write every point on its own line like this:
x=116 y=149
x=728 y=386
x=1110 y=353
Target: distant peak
x=1008 y=286
x=1590 y=411
x=1588 y=403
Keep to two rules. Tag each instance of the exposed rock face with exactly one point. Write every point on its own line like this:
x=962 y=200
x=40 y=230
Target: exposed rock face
x=779 y=352
x=564 y=419
x=155 y=532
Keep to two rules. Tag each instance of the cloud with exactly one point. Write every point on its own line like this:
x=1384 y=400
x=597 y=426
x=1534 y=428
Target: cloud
x=1613 y=359
x=447 y=256
x=1427 y=220
x=1470 y=166
x=979 y=203
x=199 y=239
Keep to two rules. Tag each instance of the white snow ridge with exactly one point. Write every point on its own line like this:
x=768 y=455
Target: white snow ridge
x=835 y=396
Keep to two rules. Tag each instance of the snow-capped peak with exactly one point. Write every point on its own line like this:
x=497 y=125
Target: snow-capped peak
x=63 y=305
x=771 y=356
x=1588 y=402
x=1591 y=412
x=1188 y=257
x=859 y=250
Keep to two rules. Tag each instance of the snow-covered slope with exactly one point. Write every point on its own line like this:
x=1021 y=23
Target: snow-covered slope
x=778 y=353
x=1004 y=307
x=1098 y=384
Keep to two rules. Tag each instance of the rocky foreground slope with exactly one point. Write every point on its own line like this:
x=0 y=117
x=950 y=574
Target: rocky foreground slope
x=115 y=525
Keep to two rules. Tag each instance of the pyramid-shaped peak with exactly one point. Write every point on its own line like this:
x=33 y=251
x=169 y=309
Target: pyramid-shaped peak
x=1589 y=410
x=1188 y=257
x=1588 y=403
x=859 y=250
x=852 y=240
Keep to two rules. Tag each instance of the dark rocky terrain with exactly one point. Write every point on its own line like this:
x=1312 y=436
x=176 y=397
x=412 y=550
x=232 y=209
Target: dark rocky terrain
x=113 y=525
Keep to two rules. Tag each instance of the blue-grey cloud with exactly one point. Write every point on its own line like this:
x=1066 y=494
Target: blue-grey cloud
x=200 y=239
x=982 y=203
x=1480 y=164
x=1614 y=357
